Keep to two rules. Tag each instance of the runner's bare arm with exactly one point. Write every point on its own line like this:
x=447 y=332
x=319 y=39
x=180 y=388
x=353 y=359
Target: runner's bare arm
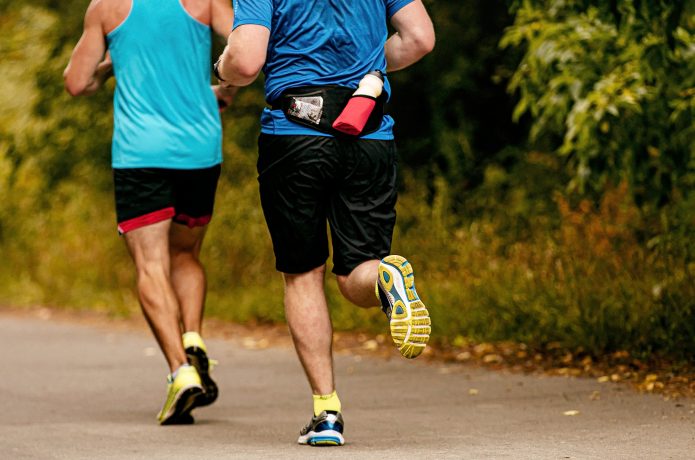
x=89 y=64
x=244 y=56
x=222 y=24
x=222 y=17
x=414 y=36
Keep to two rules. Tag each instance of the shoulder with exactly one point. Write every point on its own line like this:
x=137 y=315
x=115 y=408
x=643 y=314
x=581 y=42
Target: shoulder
x=111 y=13
x=199 y=9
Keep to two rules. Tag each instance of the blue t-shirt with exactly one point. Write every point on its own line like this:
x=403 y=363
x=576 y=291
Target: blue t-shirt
x=319 y=42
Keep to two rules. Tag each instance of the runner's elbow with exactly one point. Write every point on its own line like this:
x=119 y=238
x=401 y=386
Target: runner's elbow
x=73 y=85
x=245 y=72
x=249 y=71
x=423 y=40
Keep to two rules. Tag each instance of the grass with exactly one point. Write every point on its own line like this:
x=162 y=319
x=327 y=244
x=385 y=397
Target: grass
x=585 y=283
x=511 y=258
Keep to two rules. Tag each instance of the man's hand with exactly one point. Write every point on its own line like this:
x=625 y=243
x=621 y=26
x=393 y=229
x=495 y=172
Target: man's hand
x=104 y=72
x=225 y=95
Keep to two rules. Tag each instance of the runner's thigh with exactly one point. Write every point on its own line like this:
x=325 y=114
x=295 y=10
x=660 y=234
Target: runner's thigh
x=144 y=196
x=362 y=211
x=294 y=175
x=194 y=195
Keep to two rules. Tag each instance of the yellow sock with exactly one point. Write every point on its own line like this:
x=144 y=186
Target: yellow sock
x=326 y=402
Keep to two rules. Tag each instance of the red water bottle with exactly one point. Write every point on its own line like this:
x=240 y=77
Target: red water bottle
x=360 y=106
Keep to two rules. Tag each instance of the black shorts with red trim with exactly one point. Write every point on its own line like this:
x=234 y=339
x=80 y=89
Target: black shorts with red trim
x=309 y=181
x=145 y=196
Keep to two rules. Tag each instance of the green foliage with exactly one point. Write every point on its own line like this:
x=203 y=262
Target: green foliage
x=452 y=113
x=611 y=86
x=501 y=250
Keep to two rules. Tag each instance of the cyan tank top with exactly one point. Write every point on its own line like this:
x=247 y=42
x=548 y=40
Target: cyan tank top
x=165 y=113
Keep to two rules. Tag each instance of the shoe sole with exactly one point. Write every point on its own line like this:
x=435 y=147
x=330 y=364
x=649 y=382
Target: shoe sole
x=181 y=415
x=199 y=359
x=322 y=439
x=410 y=321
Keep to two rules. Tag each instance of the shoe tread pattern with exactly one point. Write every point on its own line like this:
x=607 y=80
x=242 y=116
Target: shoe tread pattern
x=181 y=414
x=411 y=324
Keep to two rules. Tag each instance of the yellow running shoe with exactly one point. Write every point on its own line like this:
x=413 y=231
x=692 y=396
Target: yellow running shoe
x=198 y=358
x=182 y=392
x=409 y=319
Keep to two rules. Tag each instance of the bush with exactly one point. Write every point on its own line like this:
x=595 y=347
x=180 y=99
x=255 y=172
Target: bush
x=501 y=249
x=611 y=87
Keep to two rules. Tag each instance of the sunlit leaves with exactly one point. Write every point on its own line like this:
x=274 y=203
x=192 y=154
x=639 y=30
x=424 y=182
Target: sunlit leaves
x=616 y=84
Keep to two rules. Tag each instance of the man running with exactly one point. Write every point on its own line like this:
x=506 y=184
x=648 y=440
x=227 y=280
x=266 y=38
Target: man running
x=166 y=155
x=314 y=54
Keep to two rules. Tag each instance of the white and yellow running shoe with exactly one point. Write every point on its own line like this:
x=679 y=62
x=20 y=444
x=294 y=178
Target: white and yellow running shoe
x=182 y=392
x=325 y=429
x=409 y=319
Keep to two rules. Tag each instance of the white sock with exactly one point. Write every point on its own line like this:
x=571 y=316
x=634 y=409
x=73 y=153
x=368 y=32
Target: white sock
x=173 y=374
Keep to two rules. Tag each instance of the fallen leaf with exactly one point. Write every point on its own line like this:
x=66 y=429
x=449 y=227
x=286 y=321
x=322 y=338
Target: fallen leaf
x=370 y=345
x=472 y=391
x=464 y=356
x=571 y=413
x=603 y=379
x=487 y=359
x=460 y=341
x=483 y=349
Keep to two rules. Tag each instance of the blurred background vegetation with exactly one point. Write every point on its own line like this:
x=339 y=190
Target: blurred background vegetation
x=547 y=193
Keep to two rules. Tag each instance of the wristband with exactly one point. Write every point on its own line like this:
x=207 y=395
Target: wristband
x=216 y=70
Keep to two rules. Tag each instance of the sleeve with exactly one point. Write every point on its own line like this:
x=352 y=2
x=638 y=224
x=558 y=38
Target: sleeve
x=259 y=12
x=393 y=6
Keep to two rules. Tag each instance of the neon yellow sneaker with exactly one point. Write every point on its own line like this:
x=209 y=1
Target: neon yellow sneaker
x=409 y=319
x=182 y=392
x=198 y=358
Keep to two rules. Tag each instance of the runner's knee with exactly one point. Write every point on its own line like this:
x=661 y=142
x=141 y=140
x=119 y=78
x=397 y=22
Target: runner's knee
x=314 y=275
x=152 y=270
x=343 y=282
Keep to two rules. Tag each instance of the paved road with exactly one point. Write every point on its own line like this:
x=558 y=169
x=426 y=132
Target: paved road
x=74 y=391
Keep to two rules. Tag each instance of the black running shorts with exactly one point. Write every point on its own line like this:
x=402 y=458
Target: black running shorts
x=306 y=181
x=145 y=196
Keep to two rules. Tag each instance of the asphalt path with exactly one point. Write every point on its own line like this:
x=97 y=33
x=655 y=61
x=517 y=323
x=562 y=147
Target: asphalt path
x=75 y=391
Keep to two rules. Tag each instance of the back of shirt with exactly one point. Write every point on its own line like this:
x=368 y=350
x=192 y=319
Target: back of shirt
x=165 y=113
x=319 y=42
